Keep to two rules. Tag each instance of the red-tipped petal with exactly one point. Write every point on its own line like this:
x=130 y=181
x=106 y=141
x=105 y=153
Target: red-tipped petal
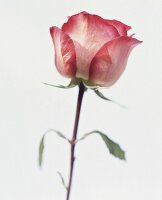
x=121 y=27
x=90 y=33
x=88 y=29
x=110 y=61
x=65 y=56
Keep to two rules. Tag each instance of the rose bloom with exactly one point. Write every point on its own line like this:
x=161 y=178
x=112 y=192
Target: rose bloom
x=92 y=49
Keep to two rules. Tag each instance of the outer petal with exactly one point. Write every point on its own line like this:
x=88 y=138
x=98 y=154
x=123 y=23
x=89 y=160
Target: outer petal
x=110 y=61
x=90 y=32
x=65 y=56
x=88 y=29
x=83 y=59
x=121 y=27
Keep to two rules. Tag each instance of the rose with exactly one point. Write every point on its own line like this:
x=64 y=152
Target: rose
x=92 y=49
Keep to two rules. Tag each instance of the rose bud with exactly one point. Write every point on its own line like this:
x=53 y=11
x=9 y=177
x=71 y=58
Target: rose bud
x=92 y=49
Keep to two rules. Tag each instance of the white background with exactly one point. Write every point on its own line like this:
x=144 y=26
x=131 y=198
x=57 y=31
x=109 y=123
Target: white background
x=28 y=108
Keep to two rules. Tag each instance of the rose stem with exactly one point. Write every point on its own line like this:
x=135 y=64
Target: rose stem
x=74 y=137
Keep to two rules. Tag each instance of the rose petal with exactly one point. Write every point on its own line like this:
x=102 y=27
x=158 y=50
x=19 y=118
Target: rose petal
x=83 y=60
x=65 y=56
x=88 y=29
x=90 y=33
x=110 y=61
x=121 y=27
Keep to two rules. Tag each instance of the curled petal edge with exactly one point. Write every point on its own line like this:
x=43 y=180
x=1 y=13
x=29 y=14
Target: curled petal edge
x=65 y=55
x=110 y=61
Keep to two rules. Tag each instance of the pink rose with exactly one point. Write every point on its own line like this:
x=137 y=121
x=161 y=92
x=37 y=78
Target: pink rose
x=91 y=48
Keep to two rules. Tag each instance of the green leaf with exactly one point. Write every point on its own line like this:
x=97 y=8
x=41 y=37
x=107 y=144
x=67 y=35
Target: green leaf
x=113 y=147
x=41 y=149
x=72 y=84
x=107 y=99
x=41 y=146
x=62 y=180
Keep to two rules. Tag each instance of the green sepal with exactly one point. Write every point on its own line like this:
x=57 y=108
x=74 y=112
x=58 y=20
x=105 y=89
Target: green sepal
x=72 y=84
x=112 y=146
x=101 y=95
x=107 y=99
